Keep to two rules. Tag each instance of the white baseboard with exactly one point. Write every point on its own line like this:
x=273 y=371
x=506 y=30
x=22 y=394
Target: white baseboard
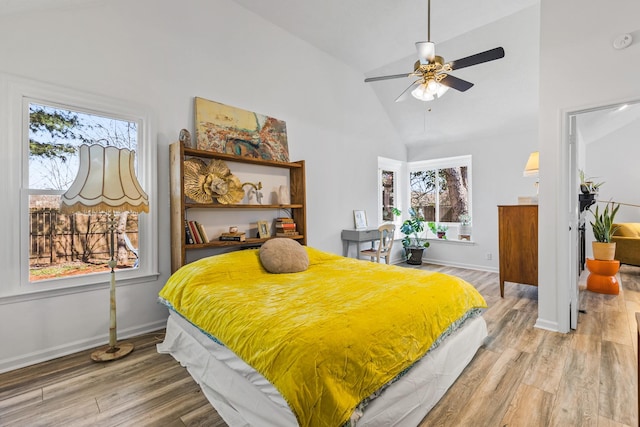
x=547 y=325
x=461 y=265
x=44 y=355
x=397 y=261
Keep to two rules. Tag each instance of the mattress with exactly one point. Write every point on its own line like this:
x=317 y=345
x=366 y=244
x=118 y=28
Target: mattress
x=243 y=397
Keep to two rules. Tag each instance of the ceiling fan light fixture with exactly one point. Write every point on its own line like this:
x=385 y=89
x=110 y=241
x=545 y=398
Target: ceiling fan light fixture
x=442 y=89
x=422 y=93
x=430 y=69
x=429 y=90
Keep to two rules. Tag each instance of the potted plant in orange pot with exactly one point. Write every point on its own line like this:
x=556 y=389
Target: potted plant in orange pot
x=603 y=248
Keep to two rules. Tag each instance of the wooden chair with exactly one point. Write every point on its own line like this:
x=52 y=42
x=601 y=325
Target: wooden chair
x=383 y=249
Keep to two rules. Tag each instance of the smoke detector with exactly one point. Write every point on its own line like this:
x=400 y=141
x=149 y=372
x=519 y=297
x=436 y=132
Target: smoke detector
x=622 y=41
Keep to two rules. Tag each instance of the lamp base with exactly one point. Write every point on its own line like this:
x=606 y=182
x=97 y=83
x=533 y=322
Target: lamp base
x=112 y=353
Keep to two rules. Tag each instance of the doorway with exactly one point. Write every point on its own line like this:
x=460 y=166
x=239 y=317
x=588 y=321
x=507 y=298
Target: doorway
x=603 y=148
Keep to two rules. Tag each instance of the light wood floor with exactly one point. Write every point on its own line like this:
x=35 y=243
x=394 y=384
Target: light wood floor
x=521 y=376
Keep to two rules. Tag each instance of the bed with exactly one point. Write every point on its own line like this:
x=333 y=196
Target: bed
x=344 y=342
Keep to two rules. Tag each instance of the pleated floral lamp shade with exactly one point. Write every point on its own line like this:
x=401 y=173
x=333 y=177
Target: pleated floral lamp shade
x=106 y=183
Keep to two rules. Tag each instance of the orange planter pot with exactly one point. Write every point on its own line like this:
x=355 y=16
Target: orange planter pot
x=602 y=277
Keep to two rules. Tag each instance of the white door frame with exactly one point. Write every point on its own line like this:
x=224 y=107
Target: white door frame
x=570 y=147
x=574 y=222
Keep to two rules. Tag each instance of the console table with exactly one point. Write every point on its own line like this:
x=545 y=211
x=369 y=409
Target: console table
x=358 y=236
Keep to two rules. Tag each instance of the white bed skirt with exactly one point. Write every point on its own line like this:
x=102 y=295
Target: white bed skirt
x=243 y=397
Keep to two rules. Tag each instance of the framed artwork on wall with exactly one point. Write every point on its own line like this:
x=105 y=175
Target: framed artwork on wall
x=231 y=130
x=360 y=219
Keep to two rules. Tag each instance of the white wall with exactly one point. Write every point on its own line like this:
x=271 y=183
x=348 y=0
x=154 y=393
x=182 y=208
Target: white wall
x=161 y=54
x=499 y=147
x=574 y=35
x=612 y=159
x=497 y=164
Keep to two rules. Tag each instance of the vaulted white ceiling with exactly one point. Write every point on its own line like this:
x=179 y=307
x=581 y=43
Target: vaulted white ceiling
x=368 y=34
x=376 y=37
x=17 y=6
x=597 y=124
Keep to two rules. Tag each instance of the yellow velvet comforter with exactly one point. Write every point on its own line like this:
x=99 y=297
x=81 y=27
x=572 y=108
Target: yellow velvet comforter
x=327 y=337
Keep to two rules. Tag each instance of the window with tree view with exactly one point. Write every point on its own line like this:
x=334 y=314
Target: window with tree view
x=63 y=245
x=441 y=189
x=388 y=185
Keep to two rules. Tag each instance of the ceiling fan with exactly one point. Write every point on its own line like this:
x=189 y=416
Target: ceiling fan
x=433 y=73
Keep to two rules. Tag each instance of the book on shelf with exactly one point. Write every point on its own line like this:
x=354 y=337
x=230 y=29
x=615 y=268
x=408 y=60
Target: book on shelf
x=194 y=232
x=233 y=237
x=203 y=233
x=287 y=234
x=288 y=231
x=286 y=226
x=284 y=219
x=187 y=234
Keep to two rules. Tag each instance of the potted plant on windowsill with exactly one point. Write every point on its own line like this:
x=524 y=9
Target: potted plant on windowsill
x=464 y=232
x=413 y=244
x=439 y=229
x=603 y=248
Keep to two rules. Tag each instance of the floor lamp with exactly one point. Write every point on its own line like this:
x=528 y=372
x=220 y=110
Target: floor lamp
x=106 y=183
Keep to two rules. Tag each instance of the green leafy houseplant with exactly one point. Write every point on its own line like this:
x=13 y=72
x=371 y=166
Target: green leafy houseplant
x=465 y=219
x=439 y=229
x=587 y=186
x=603 y=248
x=464 y=231
x=411 y=228
x=413 y=244
x=602 y=225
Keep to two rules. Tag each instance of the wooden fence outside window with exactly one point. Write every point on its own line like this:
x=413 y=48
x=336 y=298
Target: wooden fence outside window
x=56 y=238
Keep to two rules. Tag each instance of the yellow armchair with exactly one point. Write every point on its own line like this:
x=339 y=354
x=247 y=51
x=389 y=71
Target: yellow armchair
x=627 y=239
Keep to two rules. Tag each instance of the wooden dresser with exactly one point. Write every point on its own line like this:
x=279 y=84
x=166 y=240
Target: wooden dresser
x=518 y=241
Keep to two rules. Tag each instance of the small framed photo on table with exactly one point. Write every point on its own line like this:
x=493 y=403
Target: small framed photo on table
x=263 y=230
x=360 y=219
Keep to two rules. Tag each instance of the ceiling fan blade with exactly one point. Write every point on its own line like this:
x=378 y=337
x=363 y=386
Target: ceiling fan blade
x=407 y=91
x=456 y=83
x=426 y=52
x=394 y=76
x=478 y=58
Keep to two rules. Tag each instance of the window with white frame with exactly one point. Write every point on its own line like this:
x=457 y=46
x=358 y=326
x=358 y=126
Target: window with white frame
x=63 y=245
x=62 y=251
x=440 y=189
x=389 y=175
